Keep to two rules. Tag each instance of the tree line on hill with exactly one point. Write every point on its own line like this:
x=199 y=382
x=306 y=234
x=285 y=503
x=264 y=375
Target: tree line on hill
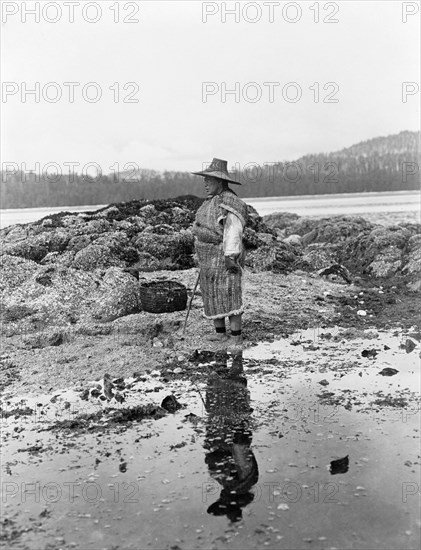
x=381 y=164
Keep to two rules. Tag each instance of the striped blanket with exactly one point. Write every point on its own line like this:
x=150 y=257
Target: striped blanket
x=221 y=290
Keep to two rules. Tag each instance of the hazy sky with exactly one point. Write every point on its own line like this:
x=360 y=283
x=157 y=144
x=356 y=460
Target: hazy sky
x=171 y=52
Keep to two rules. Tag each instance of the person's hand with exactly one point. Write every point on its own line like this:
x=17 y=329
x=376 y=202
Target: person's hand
x=231 y=265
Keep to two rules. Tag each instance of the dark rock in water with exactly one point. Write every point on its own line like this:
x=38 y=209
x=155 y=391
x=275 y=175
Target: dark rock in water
x=409 y=345
x=95 y=393
x=85 y=395
x=178 y=445
x=390 y=401
x=311 y=347
x=336 y=269
x=108 y=386
x=199 y=356
x=135 y=414
x=387 y=371
x=170 y=404
x=27 y=411
x=371 y=353
x=192 y=418
x=119 y=398
x=386 y=347
x=122 y=467
x=324 y=382
x=339 y=466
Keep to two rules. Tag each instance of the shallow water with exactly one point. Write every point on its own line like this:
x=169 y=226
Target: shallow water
x=251 y=469
x=303 y=205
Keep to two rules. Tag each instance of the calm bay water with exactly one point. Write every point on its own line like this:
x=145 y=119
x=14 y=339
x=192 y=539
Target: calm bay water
x=304 y=205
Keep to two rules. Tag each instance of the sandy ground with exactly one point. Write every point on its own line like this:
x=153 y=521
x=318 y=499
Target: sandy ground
x=276 y=305
x=296 y=367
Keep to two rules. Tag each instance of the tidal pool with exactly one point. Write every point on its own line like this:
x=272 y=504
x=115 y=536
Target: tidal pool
x=297 y=443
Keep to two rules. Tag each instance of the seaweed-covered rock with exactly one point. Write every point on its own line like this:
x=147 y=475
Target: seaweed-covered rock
x=160 y=229
x=175 y=250
x=58 y=295
x=255 y=222
x=13 y=234
x=96 y=226
x=317 y=256
x=78 y=242
x=251 y=239
x=386 y=263
x=14 y=271
x=155 y=235
x=35 y=243
x=117 y=295
x=378 y=252
x=96 y=256
x=412 y=267
x=275 y=256
x=146 y=262
x=294 y=240
x=119 y=246
x=336 y=229
x=280 y=220
x=32 y=249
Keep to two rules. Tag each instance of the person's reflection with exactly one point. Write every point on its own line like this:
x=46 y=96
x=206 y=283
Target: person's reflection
x=230 y=460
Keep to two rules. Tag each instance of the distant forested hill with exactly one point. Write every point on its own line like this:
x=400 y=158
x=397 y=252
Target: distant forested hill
x=381 y=164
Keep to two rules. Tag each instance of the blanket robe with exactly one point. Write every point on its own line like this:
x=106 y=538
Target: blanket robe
x=221 y=290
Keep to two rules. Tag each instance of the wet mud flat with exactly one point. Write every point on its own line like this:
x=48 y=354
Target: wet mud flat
x=310 y=441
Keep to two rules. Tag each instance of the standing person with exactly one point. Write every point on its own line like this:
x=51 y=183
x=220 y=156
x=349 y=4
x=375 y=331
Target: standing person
x=218 y=231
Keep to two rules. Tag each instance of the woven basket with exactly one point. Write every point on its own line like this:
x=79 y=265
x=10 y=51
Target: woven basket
x=163 y=296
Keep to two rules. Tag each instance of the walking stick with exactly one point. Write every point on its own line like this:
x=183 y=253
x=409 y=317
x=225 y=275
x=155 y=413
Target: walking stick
x=190 y=303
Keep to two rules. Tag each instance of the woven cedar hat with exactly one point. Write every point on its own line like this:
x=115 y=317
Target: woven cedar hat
x=217 y=169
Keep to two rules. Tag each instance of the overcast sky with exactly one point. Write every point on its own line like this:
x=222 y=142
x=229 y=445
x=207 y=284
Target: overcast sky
x=171 y=51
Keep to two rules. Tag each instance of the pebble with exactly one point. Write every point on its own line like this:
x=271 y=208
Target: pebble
x=361 y=313
x=283 y=506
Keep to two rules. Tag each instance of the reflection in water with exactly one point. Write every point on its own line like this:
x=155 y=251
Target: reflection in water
x=230 y=460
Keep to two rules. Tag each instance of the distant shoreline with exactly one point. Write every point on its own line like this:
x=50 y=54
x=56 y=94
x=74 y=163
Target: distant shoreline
x=373 y=205
x=246 y=199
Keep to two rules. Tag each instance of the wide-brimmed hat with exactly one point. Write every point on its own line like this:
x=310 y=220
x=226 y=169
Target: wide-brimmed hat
x=217 y=169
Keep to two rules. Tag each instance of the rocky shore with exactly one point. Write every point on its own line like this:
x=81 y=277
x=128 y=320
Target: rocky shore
x=70 y=283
